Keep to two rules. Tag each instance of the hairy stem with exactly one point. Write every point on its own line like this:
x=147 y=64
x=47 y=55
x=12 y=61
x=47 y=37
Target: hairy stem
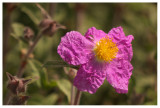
x=30 y=50
x=20 y=72
x=77 y=98
x=43 y=11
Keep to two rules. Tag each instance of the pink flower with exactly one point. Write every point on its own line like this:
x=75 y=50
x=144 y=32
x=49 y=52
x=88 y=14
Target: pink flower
x=100 y=56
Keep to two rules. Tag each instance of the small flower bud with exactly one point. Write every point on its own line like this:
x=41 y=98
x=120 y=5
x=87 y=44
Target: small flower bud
x=24 y=52
x=13 y=83
x=16 y=85
x=23 y=85
x=49 y=27
x=28 y=33
x=71 y=72
x=45 y=22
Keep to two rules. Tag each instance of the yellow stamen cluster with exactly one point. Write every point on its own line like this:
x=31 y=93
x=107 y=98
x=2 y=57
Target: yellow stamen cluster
x=106 y=49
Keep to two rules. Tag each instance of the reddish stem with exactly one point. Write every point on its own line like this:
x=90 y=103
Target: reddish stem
x=77 y=98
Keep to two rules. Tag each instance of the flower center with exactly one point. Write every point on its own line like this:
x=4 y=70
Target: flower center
x=106 y=49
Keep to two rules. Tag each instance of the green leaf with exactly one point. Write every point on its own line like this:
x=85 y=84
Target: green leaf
x=17 y=33
x=37 y=99
x=18 y=30
x=65 y=86
x=132 y=84
x=56 y=63
x=43 y=80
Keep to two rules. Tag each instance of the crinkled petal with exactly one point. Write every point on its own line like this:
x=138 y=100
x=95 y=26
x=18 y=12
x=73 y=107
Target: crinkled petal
x=123 y=43
x=90 y=76
x=118 y=36
x=94 y=35
x=118 y=74
x=117 y=33
x=75 y=48
x=125 y=52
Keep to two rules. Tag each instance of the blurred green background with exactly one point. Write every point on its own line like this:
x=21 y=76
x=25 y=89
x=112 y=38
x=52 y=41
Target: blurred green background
x=51 y=85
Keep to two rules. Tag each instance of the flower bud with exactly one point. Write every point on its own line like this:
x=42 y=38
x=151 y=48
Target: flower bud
x=16 y=85
x=28 y=33
x=49 y=27
x=24 y=52
x=45 y=22
x=71 y=72
x=13 y=83
x=23 y=85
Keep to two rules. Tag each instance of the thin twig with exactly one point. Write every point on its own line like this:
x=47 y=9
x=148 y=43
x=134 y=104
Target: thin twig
x=30 y=50
x=47 y=16
x=22 y=67
x=77 y=98
x=44 y=12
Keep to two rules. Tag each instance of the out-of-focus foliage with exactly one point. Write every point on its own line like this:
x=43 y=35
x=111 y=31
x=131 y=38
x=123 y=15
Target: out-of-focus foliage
x=51 y=84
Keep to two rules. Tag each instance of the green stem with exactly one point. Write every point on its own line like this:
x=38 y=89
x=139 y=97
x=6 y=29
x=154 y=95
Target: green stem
x=72 y=94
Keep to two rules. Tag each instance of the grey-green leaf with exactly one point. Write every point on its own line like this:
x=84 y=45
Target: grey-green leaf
x=37 y=99
x=65 y=86
x=37 y=68
x=56 y=63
